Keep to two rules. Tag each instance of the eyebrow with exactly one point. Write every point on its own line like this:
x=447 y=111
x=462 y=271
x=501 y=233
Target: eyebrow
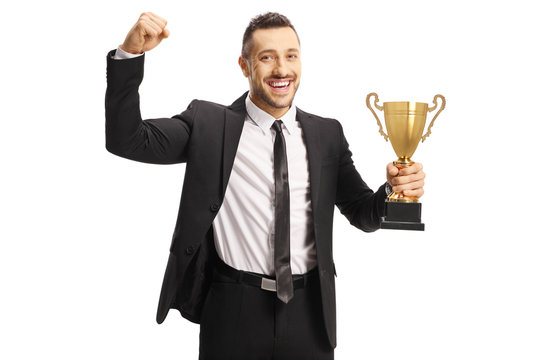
x=274 y=50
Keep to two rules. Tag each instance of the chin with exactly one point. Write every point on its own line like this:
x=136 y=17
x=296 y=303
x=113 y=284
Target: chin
x=282 y=104
x=279 y=101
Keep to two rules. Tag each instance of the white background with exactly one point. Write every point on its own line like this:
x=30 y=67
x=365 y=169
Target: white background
x=85 y=235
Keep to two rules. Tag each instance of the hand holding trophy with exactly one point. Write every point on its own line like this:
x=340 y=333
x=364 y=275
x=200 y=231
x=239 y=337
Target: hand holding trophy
x=405 y=121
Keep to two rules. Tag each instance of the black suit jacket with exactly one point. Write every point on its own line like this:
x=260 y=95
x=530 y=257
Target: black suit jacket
x=205 y=137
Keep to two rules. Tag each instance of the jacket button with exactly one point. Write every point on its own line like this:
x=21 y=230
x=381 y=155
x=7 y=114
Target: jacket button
x=189 y=250
x=214 y=207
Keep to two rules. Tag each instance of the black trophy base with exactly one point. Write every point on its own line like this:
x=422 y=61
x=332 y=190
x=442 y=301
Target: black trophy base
x=402 y=216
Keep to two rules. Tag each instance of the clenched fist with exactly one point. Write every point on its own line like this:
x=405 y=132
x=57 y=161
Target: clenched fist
x=408 y=180
x=146 y=34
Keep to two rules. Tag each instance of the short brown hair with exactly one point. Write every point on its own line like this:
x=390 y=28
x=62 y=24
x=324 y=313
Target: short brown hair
x=264 y=21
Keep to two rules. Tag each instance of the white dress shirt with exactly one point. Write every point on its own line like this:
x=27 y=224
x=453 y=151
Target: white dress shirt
x=244 y=225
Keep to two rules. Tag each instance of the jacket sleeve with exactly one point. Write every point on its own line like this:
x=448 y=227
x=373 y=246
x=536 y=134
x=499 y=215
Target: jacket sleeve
x=360 y=205
x=156 y=141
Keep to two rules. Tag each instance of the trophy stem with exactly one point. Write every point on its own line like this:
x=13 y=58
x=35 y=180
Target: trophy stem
x=401 y=163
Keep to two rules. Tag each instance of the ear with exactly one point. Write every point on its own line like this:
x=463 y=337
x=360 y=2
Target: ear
x=244 y=66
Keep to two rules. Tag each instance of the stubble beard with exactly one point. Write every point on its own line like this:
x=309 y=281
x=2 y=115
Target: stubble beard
x=286 y=103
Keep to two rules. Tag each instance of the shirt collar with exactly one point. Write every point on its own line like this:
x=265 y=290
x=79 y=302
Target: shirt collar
x=265 y=120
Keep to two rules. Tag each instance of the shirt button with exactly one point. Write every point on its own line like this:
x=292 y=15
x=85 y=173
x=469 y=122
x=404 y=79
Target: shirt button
x=189 y=250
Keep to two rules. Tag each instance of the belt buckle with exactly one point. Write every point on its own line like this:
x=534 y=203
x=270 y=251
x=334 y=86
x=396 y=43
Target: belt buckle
x=268 y=284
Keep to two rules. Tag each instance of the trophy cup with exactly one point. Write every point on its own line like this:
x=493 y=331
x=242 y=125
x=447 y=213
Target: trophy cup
x=405 y=122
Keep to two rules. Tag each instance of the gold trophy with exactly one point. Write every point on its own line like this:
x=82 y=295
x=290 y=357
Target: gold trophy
x=405 y=122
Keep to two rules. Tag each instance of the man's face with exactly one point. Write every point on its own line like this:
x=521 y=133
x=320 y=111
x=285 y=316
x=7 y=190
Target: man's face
x=273 y=69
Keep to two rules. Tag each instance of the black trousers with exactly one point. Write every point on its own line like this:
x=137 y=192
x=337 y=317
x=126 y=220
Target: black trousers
x=241 y=321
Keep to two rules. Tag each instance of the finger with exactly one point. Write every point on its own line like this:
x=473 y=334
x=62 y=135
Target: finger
x=159 y=31
x=402 y=180
x=157 y=24
x=161 y=22
x=414 y=168
x=150 y=28
x=418 y=192
x=409 y=186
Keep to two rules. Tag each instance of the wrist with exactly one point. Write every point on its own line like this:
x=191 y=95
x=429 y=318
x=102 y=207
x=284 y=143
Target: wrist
x=130 y=51
x=121 y=54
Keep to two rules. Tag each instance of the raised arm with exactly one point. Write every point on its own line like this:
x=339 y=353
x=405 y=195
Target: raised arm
x=158 y=141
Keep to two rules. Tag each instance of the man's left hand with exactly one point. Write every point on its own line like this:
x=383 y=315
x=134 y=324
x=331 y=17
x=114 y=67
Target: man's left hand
x=409 y=180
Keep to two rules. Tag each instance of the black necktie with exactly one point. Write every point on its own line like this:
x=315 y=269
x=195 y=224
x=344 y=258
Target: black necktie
x=282 y=251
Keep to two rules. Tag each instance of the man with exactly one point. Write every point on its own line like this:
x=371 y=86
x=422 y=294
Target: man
x=251 y=256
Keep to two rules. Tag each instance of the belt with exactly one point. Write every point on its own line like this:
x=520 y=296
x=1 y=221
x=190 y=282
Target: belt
x=261 y=281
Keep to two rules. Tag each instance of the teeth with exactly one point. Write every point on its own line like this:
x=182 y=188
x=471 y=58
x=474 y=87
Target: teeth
x=279 y=84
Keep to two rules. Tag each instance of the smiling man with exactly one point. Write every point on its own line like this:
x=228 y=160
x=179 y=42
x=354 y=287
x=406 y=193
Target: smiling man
x=251 y=255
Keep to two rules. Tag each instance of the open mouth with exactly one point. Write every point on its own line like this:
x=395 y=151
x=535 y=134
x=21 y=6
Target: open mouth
x=279 y=85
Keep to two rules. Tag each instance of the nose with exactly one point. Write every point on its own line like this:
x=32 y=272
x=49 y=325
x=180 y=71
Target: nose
x=280 y=68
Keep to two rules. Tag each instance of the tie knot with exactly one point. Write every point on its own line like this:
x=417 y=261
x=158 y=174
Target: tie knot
x=277 y=126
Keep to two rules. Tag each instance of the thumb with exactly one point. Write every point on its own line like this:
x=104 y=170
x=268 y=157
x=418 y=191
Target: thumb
x=165 y=34
x=392 y=170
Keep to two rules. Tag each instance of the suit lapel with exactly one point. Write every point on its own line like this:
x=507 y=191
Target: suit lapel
x=235 y=116
x=310 y=129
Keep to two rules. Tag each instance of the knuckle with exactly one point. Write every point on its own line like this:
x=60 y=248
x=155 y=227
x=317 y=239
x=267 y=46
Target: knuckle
x=150 y=30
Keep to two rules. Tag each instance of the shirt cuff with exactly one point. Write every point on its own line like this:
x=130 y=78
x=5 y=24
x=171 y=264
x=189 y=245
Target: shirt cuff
x=121 y=55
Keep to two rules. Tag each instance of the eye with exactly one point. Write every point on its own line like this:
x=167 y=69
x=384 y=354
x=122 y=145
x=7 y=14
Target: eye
x=266 y=58
x=292 y=56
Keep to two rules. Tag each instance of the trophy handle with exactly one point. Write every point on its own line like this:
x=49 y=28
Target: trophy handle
x=380 y=108
x=443 y=105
